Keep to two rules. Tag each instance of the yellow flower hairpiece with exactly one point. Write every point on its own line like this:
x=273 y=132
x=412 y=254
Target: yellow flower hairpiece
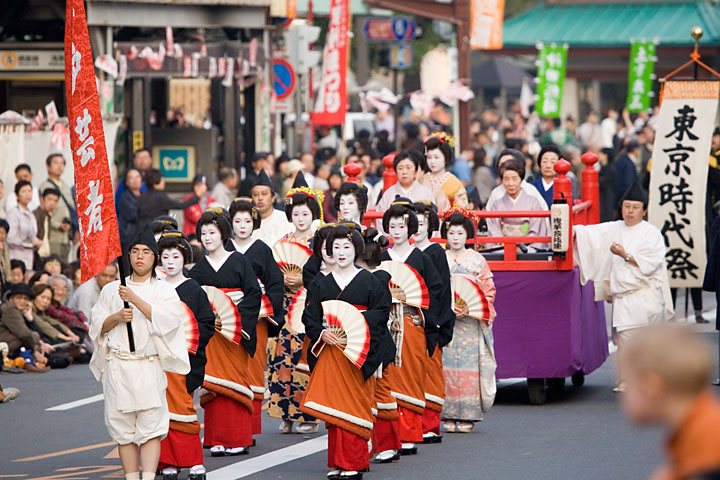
x=216 y=210
x=316 y=194
x=444 y=137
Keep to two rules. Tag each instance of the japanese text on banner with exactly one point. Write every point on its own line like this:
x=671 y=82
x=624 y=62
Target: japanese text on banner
x=679 y=175
x=641 y=76
x=551 y=64
x=99 y=238
x=331 y=103
x=486 y=23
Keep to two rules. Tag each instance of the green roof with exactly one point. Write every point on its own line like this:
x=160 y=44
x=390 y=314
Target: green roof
x=613 y=24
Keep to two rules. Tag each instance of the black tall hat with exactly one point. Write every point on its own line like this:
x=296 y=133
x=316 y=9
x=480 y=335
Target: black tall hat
x=635 y=193
x=261 y=179
x=299 y=181
x=145 y=237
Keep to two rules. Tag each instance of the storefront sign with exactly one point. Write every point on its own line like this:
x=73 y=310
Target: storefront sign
x=32 y=60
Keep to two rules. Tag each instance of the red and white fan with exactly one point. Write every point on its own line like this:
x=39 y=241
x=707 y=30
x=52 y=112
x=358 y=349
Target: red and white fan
x=192 y=332
x=235 y=294
x=347 y=323
x=467 y=292
x=407 y=280
x=266 y=310
x=291 y=256
x=225 y=311
x=295 y=311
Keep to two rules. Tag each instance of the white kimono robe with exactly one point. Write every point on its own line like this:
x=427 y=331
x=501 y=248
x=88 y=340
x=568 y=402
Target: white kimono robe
x=640 y=295
x=134 y=383
x=273 y=228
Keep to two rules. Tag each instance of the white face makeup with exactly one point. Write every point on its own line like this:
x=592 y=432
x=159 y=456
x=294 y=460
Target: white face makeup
x=456 y=237
x=398 y=230
x=172 y=261
x=242 y=225
x=349 y=208
x=302 y=218
x=326 y=258
x=435 y=160
x=343 y=252
x=210 y=237
x=422 y=232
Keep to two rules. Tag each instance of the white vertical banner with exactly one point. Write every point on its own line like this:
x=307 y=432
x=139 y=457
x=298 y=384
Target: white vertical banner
x=678 y=177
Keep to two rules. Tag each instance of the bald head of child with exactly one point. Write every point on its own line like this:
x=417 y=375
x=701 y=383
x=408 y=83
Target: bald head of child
x=667 y=368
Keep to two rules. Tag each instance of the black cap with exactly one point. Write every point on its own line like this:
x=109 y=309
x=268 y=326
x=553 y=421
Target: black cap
x=200 y=179
x=261 y=179
x=145 y=237
x=635 y=193
x=20 y=289
x=299 y=181
x=716 y=131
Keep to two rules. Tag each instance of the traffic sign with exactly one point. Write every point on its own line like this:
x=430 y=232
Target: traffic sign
x=390 y=29
x=401 y=56
x=283 y=78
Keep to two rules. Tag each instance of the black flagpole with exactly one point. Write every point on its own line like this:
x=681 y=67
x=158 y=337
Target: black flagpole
x=131 y=337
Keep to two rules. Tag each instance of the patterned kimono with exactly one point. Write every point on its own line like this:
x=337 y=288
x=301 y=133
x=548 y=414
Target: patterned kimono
x=451 y=186
x=469 y=359
x=287 y=363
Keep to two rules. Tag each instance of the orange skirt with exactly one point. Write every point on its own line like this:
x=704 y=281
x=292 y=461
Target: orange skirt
x=435 y=383
x=385 y=402
x=409 y=383
x=226 y=372
x=256 y=372
x=338 y=394
x=303 y=364
x=183 y=416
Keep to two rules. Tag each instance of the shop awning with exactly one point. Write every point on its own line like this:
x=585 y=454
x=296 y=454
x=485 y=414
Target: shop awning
x=613 y=24
x=357 y=7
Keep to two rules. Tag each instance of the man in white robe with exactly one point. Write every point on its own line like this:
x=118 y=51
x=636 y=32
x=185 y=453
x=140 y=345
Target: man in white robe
x=134 y=382
x=626 y=260
x=274 y=224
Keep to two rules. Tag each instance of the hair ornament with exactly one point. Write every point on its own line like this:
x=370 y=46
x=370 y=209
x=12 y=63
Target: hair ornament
x=171 y=234
x=444 y=137
x=215 y=210
x=317 y=195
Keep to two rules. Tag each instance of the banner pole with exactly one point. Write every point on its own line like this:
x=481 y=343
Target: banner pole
x=131 y=336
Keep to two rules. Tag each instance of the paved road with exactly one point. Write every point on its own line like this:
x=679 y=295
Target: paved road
x=579 y=434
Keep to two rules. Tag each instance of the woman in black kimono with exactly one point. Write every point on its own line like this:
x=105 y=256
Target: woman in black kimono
x=228 y=403
x=246 y=219
x=320 y=262
x=420 y=330
x=182 y=447
x=340 y=392
x=428 y=223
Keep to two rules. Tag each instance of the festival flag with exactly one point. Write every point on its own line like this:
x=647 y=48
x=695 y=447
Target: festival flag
x=332 y=97
x=678 y=177
x=99 y=238
x=640 y=76
x=52 y=114
x=551 y=63
x=486 y=22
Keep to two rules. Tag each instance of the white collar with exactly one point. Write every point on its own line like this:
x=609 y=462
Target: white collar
x=245 y=248
x=344 y=282
x=547 y=185
x=397 y=257
x=217 y=265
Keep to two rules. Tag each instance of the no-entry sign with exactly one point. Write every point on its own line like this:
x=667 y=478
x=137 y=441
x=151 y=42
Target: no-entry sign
x=283 y=78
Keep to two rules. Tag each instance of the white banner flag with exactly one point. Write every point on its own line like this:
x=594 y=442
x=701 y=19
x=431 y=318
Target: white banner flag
x=678 y=177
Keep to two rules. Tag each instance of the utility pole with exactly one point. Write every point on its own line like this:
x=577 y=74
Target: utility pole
x=457 y=13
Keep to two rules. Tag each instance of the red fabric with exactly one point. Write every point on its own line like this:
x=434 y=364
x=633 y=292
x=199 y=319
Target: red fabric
x=227 y=423
x=257 y=417
x=192 y=214
x=386 y=435
x=180 y=449
x=411 y=430
x=99 y=237
x=346 y=450
x=431 y=421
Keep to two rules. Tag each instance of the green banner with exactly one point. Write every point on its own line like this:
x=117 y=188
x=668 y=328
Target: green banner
x=641 y=76
x=551 y=64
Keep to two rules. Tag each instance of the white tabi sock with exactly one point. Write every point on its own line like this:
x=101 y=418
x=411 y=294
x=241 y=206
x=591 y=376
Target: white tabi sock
x=132 y=476
x=148 y=476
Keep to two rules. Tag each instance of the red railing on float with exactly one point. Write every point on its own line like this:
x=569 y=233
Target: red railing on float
x=585 y=211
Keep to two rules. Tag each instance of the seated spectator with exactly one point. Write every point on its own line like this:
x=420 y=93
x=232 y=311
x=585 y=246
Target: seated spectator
x=87 y=294
x=547 y=158
x=13 y=328
x=670 y=387
x=50 y=330
x=499 y=191
x=48 y=201
x=72 y=271
x=17 y=271
x=4 y=256
x=39 y=278
x=75 y=321
x=515 y=198
x=53 y=265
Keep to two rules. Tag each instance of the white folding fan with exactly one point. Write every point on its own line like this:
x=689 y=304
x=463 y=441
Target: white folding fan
x=467 y=292
x=295 y=311
x=291 y=256
x=226 y=311
x=192 y=332
x=349 y=325
x=407 y=280
x=235 y=294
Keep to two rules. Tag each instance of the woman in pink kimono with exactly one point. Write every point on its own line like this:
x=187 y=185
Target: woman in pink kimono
x=469 y=359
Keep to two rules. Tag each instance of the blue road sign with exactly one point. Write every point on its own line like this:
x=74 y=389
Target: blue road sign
x=404 y=28
x=283 y=78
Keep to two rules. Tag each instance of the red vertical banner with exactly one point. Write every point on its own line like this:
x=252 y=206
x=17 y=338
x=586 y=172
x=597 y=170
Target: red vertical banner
x=99 y=237
x=331 y=102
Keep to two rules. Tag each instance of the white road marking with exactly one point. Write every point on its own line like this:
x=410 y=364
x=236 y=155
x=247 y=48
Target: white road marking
x=263 y=462
x=76 y=403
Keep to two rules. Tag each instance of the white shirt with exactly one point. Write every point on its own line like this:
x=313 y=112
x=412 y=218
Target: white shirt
x=273 y=228
x=85 y=297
